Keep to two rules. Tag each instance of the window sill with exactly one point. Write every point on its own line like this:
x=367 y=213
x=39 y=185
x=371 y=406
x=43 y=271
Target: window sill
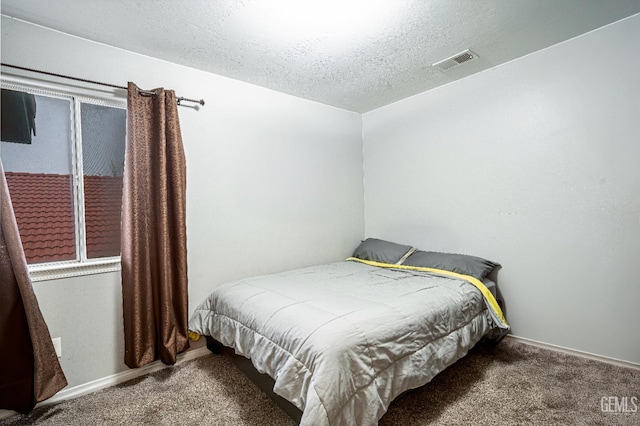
x=58 y=270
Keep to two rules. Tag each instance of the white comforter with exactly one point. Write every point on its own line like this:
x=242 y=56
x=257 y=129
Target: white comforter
x=342 y=340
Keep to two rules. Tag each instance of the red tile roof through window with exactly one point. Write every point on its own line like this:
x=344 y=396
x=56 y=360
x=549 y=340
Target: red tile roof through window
x=43 y=204
x=102 y=203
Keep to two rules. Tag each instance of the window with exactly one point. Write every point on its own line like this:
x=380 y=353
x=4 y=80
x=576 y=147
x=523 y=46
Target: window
x=63 y=157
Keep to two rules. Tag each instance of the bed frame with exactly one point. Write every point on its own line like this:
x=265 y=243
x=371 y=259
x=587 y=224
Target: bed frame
x=263 y=381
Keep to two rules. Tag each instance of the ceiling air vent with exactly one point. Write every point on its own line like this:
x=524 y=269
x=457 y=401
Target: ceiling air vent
x=455 y=60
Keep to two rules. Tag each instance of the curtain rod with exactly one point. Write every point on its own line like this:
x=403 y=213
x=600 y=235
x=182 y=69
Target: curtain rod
x=84 y=80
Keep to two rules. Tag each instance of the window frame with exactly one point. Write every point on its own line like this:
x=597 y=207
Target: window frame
x=76 y=96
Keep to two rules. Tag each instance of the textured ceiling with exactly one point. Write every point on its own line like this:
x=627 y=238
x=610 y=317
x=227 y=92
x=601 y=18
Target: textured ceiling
x=346 y=53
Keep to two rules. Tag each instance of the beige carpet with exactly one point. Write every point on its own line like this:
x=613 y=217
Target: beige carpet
x=511 y=383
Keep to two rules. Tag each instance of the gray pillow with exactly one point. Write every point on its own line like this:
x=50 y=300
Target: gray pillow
x=461 y=263
x=380 y=251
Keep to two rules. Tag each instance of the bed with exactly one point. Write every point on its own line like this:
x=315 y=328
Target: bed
x=342 y=340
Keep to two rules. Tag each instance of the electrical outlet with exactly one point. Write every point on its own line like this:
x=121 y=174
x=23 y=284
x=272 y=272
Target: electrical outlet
x=57 y=344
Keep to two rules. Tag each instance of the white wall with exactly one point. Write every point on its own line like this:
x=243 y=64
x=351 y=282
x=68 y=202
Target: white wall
x=274 y=182
x=533 y=164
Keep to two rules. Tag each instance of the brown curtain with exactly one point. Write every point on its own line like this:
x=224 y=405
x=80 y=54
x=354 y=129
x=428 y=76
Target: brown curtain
x=29 y=368
x=154 y=250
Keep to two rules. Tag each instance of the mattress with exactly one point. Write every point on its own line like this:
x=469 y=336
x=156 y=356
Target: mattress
x=342 y=340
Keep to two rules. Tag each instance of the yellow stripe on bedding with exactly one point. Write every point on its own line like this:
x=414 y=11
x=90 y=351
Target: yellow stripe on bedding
x=486 y=293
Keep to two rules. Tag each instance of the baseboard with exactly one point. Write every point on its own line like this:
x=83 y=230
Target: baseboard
x=588 y=355
x=115 y=379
